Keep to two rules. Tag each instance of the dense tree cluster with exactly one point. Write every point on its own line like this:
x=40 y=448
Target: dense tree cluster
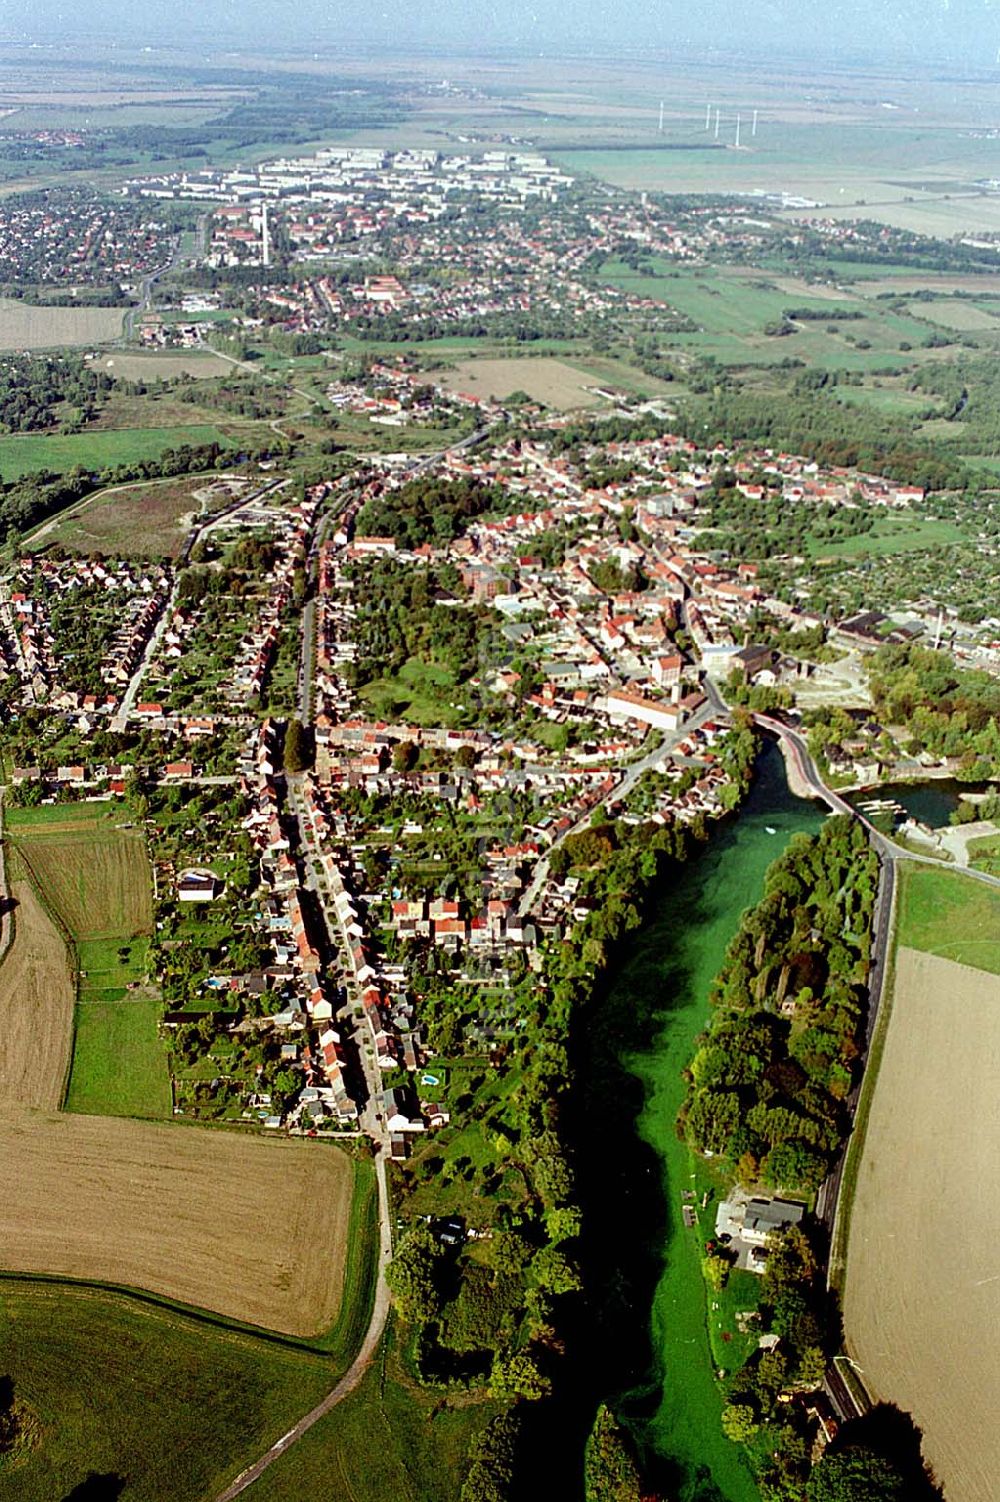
x=37 y=393
x=949 y=711
x=431 y=510
x=833 y=435
x=770 y=1079
x=404 y=615
x=495 y=1312
x=611 y=1473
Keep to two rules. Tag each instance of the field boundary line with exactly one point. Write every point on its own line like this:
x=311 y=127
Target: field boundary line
x=125 y=1293
x=361 y=1267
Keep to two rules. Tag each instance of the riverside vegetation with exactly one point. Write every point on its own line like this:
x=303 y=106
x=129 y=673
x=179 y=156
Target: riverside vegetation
x=505 y=1311
x=767 y=1106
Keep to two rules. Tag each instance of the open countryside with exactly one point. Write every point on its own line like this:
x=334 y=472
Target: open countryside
x=91 y=865
x=554 y=383
x=95 y=880
x=160 y=1374
x=254 y=1230
x=97 y=450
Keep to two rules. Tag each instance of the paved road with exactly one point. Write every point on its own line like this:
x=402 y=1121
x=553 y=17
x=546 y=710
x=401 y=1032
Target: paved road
x=829 y=1200
x=199 y=530
x=633 y=773
x=146 y=289
x=306 y=686
x=887 y=848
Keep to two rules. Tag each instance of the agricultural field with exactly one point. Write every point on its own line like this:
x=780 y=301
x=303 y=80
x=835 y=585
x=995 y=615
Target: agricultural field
x=183 y=1404
x=100 y=448
x=253 y=1229
x=143 y=520
x=36 y=1004
x=938 y=215
x=552 y=382
x=93 y=872
x=966 y=317
x=731 y=312
x=944 y=913
x=913 y=176
x=25 y=327
x=163 y=367
x=94 y=880
x=921 y=1292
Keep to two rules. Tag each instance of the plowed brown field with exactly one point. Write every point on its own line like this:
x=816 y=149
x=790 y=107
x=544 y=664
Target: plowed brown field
x=922 y=1293
x=252 y=1229
x=36 y=1007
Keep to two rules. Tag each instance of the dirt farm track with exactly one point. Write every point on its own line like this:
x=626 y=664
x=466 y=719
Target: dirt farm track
x=251 y=1228
x=922 y=1293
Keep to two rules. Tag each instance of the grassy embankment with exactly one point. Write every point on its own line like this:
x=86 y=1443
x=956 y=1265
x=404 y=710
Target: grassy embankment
x=390 y=1438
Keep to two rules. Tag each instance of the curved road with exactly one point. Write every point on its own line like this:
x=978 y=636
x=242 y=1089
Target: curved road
x=828 y=1200
x=354 y=1373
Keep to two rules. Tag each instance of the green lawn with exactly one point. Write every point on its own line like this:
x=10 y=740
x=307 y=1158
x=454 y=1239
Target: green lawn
x=890 y=534
x=955 y=916
x=885 y=399
x=984 y=854
x=174 y=1406
x=119 y=1063
x=98 y=449
x=421 y=693
x=731 y=313
x=391 y=1439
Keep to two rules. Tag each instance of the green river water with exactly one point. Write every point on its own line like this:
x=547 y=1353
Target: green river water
x=644 y=1035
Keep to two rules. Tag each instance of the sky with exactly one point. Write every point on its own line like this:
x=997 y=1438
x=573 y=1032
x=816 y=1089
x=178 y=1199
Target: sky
x=931 y=31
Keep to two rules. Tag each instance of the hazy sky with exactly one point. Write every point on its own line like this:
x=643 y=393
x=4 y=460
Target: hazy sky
x=966 y=31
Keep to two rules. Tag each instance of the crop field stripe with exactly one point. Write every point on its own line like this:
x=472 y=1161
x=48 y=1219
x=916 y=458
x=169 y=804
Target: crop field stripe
x=36 y=966
x=339 y=1355
x=253 y=1228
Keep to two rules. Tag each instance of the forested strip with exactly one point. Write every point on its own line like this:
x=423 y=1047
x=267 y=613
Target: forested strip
x=770 y=1081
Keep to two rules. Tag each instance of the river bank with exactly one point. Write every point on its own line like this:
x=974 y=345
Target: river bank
x=652 y=1340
